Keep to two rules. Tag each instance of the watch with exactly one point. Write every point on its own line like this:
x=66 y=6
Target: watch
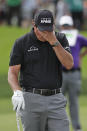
x=55 y=44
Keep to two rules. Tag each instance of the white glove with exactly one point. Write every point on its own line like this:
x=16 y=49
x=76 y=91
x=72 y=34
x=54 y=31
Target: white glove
x=18 y=100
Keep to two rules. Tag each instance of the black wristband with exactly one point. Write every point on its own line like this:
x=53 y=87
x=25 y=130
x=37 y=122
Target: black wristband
x=55 y=44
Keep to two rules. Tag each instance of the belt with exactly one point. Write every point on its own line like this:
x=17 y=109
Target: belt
x=71 y=70
x=45 y=92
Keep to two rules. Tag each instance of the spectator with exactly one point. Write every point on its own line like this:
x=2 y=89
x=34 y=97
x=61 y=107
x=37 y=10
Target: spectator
x=14 y=14
x=62 y=9
x=47 y=4
x=76 y=8
x=72 y=78
x=2 y=11
x=55 y=5
x=29 y=7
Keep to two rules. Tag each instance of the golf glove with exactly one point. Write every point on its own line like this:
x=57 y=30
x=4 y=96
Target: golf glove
x=18 y=100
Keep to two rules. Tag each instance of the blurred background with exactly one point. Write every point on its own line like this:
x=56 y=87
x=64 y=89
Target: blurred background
x=21 y=12
x=16 y=20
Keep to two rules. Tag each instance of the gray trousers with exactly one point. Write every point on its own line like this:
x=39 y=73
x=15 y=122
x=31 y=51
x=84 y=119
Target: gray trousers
x=43 y=113
x=71 y=85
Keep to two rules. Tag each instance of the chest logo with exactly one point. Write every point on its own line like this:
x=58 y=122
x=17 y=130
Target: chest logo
x=33 y=48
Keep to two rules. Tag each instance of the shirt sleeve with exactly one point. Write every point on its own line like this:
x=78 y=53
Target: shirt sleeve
x=16 y=55
x=64 y=42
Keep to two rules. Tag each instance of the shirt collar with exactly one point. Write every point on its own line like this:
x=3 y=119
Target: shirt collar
x=33 y=35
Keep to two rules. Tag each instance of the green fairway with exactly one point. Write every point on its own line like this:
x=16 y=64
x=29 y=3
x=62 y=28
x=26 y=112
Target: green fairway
x=7 y=116
x=8 y=35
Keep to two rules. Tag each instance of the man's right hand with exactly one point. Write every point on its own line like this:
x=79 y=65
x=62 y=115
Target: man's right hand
x=18 y=100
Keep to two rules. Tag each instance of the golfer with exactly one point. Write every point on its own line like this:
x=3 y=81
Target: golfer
x=35 y=75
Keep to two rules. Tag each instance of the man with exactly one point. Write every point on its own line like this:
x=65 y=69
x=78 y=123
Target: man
x=14 y=12
x=28 y=9
x=77 y=12
x=72 y=78
x=62 y=8
x=38 y=57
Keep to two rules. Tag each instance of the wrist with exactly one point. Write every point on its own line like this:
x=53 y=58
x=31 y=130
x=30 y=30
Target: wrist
x=17 y=88
x=17 y=93
x=52 y=41
x=55 y=44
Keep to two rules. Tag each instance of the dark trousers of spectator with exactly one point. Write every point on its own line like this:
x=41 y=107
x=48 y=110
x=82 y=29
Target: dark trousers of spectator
x=78 y=19
x=14 y=11
x=2 y=16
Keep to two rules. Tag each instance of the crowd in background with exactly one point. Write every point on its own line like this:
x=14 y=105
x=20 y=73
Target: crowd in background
x=21 y=12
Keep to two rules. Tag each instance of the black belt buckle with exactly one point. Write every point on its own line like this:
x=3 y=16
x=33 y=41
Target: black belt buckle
x=46 y=92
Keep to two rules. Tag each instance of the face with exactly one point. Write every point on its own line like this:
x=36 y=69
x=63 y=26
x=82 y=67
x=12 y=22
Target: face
x=39 y=36
x=66 y=27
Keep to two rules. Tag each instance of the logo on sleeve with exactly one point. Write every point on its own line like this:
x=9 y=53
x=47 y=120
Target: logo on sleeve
x=66 y=48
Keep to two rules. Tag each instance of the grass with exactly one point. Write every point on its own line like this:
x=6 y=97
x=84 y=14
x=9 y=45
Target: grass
x=7 y=117
x=8 y=35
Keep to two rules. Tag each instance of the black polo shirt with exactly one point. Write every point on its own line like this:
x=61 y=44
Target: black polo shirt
x=40 y=68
